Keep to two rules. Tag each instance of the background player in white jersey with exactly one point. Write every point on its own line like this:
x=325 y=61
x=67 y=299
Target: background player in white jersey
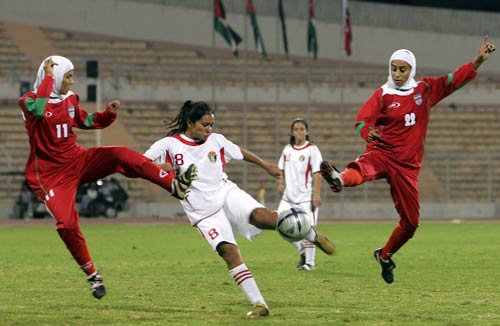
x=217 y=207
x=301 y=184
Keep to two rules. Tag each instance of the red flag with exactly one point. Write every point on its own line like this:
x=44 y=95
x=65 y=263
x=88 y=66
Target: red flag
x=347 y=27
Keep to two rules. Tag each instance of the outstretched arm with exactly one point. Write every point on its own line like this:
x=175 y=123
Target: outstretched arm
x=485 y=50
x=97 y=120
x=272 y=169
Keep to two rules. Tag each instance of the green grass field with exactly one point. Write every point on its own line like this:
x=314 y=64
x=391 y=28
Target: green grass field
x=167 y=275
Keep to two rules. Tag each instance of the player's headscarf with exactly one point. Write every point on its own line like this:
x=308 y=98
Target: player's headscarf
x=408 y=57
x=62 y=66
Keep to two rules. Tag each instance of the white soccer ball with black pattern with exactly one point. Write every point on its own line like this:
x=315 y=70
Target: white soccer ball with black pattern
x=293 y=224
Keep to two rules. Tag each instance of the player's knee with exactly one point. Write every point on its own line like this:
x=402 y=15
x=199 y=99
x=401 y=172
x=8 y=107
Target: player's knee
x=230 y=253
x=118 y=151
x=68 y=230
x=264 y=218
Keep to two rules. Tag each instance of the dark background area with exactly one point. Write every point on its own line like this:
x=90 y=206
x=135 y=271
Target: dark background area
x=479 y=5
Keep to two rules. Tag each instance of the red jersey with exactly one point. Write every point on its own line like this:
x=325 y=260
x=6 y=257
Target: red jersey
x=402 y=117
x=49 y=124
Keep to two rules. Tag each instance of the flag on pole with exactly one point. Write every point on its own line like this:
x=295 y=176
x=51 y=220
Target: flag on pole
x=257 y=37
x=222 y=27
x=281 y=13
x=312 y=39
x=346 y=18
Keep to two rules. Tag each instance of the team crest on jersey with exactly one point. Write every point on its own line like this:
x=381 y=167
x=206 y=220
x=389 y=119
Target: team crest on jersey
x=71 y=111
x=302 y=158
x=212 y=156
x=418 y=99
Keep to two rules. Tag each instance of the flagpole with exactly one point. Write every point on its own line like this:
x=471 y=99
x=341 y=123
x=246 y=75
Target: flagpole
x=342 y=103
x=277 y=94
x=212 y=75
x=245 y=99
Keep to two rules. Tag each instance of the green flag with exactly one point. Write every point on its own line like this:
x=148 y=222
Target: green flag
x=222 y=27
x=259 y=42
x=312 y=39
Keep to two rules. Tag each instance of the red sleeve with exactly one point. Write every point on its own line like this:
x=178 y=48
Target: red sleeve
x=45 y=87
x=368 y=114
x=443 y=86
x=104 y=118
x=96 y=120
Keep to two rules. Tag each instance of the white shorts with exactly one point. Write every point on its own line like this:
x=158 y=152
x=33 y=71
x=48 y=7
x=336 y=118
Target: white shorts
x=232 y=219
x=306 y=206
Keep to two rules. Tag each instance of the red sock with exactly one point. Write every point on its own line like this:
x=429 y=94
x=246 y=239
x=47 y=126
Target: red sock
x=397 y=239
x=135 y=165
x=351 y=177
x=77 y=246
x=153 y=173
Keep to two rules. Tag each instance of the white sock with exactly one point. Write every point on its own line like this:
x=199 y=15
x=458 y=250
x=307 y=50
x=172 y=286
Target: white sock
x=310 y=250
x=311 y=236
x=244 y=279
x=299 y=245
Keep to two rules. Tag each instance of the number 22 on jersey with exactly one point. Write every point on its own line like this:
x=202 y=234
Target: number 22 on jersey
x=410 y=119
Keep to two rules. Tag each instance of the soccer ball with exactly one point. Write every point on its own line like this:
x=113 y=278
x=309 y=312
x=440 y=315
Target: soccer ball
x=293 y=224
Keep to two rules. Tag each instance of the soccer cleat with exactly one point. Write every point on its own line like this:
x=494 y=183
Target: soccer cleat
x=259 y=310
x=324 y=243
x=332 y=176
x=180 y=185
x=96 y=285
x=387 y=266
x=302 y=260
x=306 y=267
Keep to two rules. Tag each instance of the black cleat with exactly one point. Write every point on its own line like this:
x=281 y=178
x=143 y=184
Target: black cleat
x=181 y=184
x=96 y=285
x=332 y=176
x=302 y=260
x=387 y=266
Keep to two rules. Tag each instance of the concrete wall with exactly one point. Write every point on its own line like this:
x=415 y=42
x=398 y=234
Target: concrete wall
x=365 y=211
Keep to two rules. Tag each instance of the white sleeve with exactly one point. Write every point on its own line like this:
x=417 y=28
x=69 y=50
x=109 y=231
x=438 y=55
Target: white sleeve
x=231 y=150
x=158 y=151
x=316 y=159
x=281 y=162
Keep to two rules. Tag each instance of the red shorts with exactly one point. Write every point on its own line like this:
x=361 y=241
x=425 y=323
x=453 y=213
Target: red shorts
x=403 y=181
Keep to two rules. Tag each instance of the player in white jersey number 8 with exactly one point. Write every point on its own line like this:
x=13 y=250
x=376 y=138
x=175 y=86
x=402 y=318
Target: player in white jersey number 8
x=216 y=206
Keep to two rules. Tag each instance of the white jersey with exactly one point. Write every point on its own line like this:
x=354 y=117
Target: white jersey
x=209 y=189
x=299 y=164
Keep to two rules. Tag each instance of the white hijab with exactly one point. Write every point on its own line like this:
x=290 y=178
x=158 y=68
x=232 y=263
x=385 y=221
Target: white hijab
x=390 y=87
x=63 y=65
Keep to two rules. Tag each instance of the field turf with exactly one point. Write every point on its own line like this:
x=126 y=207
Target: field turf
x=166 y=274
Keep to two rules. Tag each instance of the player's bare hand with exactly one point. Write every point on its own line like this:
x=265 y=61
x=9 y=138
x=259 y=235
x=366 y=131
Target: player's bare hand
x=166 y=167
x=274 y=170
x=374 y=135
x=48 y=67
x=113 y=106
x=316 y=202
x=485 y=50
x=281 y=187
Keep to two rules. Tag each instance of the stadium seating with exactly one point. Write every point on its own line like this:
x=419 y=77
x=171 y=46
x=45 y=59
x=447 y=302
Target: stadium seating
x=461 y=158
